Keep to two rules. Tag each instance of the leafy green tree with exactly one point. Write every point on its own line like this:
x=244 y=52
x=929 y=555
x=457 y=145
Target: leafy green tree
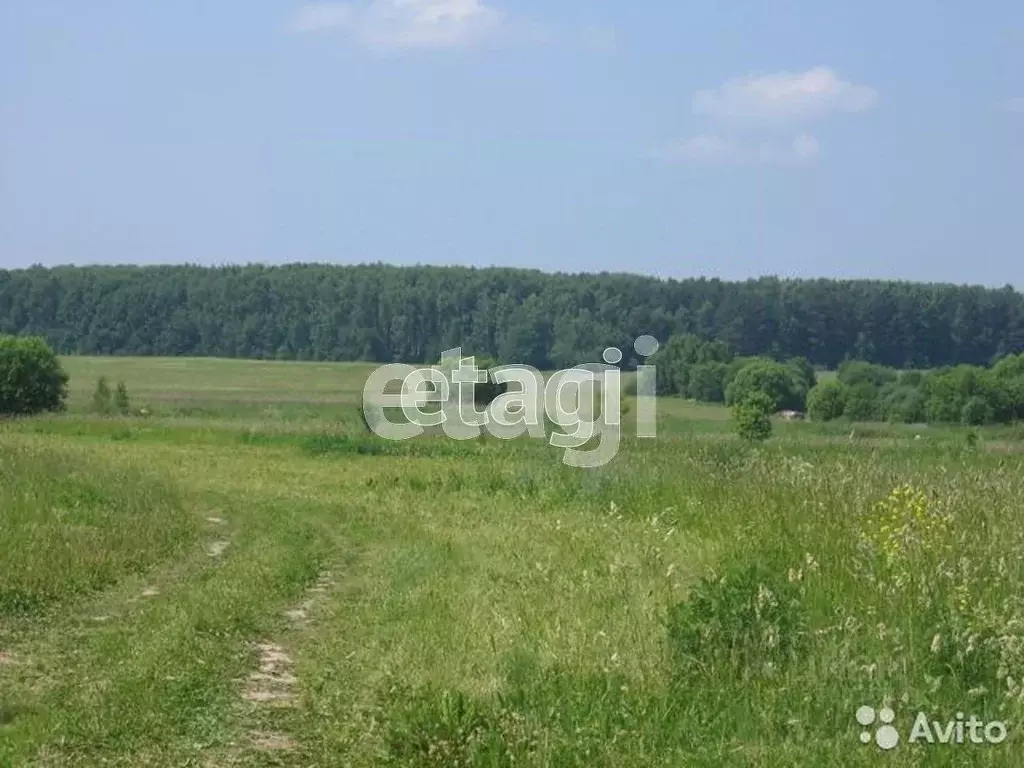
x=31 y=377
x=692 y=367
x=752 y=416
x=855 y=372
x=1009 y=367
x=862 y=403
x=775 y=380
x=976 y=412
x=803 y=373
x=948 y=392
x=707 y=382
x=411 y=314
x=903 y=404
x=827 y=401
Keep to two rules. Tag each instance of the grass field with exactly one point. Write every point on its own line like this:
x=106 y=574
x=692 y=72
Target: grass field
x=243 y=577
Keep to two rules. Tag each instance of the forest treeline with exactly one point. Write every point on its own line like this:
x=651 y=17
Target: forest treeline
x=385 y=313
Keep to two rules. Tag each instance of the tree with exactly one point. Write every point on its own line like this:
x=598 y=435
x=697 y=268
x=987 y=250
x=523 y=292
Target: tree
x=692 y=367
x=862 y=403
x=827 y=401
x=31 y=378
x=707 y=382
x=903 y=404
x=410 y=314
x=803 y=373
x=752 y=416
x=854 y=372
x=976 y=412
x=1009 y=367
x=770 y=378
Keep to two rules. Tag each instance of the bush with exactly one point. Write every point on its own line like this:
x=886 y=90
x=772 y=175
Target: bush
x=487 y=392
x=483 y=393
x=121 y=401
x=31 y=378
x=976 y=412
x=827 y=401
x=903 y=404
x=769 y=378
x=102 y=399
x=855 y=372
x=679 y=359
x=804 y=376
x=737 y=625
x=752 y=417
x=707 y=382
x=862 y=403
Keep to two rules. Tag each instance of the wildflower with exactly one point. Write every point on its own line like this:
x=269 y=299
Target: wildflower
x=936 y=643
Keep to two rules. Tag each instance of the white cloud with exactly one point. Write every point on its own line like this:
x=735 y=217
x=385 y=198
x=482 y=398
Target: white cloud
x=403 y=23
x=784 y=96
x=1015 y=105
x=712 y=149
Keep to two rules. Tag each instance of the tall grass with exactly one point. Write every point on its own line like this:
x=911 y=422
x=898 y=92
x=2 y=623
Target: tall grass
x=71 y=526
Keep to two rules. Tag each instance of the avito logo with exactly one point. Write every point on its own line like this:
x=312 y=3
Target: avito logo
x=956 y=731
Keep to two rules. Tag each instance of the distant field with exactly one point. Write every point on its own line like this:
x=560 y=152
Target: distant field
x=245 y=578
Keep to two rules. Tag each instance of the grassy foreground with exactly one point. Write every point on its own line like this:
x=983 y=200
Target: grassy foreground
x=243 y=578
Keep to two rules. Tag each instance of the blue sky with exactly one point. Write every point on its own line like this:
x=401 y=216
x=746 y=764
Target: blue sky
x=728 y=139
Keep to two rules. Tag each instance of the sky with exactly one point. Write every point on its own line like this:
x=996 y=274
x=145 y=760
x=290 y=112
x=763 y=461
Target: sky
x=798 y=138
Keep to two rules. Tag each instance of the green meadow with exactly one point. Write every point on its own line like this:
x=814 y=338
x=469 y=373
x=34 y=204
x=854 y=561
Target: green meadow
x=237 y=574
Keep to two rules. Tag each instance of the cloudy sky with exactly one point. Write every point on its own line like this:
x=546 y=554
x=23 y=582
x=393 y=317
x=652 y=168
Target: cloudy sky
x=728 y=139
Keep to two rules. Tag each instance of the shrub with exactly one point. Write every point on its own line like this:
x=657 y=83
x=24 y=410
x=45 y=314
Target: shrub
x=855 y=372
x=483 y=392
x=903 y=404
x=752 y=417
x=679 y=359
x=102 y=399
x=804 y=376
x=488 y=391
x=827 y=401
x=976 y=412
x=121 y=401
x=367 y=427
x=31 y=378
x=431 y=727
x=707 y=382
x=862 y=403
x=769 y=378
x=738 y=624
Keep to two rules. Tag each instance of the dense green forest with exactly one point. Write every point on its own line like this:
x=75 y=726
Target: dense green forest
x=384 y=313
